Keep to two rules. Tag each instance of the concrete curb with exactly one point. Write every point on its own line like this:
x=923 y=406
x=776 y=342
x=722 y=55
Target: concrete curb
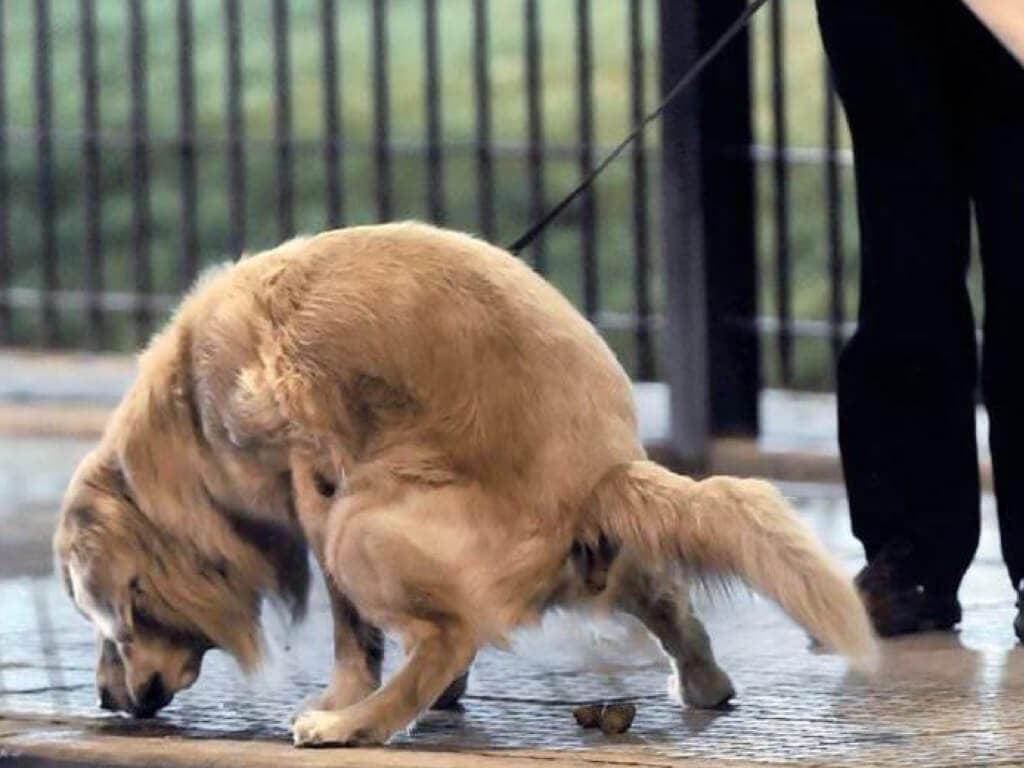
x=56 y=744
x=53 y=420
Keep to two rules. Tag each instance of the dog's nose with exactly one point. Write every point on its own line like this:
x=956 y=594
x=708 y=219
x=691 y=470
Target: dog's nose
x=151 y=697
x=107 y=700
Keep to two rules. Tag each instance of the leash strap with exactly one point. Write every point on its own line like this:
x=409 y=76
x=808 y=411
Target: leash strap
x=681 y=85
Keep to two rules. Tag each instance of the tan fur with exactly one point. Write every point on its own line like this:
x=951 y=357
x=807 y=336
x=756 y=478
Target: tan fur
x=730 y=526
x=444 y=427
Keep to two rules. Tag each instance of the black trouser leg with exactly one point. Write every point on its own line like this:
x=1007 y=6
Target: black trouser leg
x=907 y=378
x=995 y=95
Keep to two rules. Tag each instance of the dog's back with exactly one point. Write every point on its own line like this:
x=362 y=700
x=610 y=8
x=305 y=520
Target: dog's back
x=407 y=335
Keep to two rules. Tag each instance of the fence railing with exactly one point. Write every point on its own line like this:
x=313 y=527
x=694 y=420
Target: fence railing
x=139 y=141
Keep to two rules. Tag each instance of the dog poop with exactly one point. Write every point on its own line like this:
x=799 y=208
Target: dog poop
x=617 y=718
x=610 y=718
x=588 y=715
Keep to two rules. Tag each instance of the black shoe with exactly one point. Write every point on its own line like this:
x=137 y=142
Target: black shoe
x=1018 y=623
x=896 y=602
x=940 y=612
x=891 y=595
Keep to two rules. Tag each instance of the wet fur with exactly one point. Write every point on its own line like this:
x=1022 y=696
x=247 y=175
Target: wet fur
x=458 y=446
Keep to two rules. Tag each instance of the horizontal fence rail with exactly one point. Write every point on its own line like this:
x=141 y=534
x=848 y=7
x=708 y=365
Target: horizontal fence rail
x=142 y=141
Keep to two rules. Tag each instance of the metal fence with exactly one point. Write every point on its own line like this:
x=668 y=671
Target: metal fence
x=472 y=113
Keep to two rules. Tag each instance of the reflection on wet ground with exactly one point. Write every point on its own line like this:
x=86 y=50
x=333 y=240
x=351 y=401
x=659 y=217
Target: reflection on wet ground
x=940 y=699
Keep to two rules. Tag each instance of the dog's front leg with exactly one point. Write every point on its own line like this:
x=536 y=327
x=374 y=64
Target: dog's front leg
x=358 y=645
x=437 y=653
x=380 y=555
x=358 y=652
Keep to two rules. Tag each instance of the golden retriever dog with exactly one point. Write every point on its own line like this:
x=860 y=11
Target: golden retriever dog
x=459 y=448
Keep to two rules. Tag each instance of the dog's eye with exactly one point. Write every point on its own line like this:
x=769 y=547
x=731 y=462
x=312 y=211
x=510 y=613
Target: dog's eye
x=324 y=486
x=135 y=585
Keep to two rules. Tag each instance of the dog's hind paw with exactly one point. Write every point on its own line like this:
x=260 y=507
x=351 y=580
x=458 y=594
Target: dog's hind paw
x=321 y=728
x=450 y=698
x=707 y=687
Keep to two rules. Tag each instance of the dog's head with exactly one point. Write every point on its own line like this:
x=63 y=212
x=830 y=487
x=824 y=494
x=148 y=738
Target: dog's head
x=160 y=596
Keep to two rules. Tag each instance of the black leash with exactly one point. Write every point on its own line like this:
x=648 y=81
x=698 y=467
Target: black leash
x=681 y=85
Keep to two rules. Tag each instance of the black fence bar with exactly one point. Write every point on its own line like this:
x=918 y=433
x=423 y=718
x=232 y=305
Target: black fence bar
x=6 y=266
x=641 y=244
x=781 y=176
x=435 y=159
x=187 y=146
x=93 y=241
x=535 y=131
x=729 y=225
x=482 y=89
x=682 y=236
x=46 y=189
x=283 y=120
x=141 y=213
x=333 y=137
x=711 y=358
x=588 y=204
x=833 y=210
x=381 y=109
x=236 y=129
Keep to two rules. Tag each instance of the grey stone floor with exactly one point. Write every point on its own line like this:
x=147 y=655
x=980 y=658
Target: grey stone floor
x=940 y=699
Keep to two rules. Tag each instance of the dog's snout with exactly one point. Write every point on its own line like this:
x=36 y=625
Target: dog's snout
x=151 y=697
x=107 y=700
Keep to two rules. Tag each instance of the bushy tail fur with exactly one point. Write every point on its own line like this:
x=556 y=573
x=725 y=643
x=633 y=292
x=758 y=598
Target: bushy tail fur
x=730 y=526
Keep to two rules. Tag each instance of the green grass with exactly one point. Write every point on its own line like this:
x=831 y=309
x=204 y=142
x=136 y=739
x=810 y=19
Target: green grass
x=408 y=108
x=507 y=68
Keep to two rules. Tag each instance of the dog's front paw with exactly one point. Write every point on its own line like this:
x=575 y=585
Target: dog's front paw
x=336 y=697
x=320 y=728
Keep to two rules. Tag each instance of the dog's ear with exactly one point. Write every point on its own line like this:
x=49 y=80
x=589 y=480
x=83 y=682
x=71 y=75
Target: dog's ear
x=73 y=542
x=95 y=547
x=89 y=579
x=124 y=613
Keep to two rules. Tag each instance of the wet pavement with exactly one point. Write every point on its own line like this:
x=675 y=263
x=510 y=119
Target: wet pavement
x=940 y=699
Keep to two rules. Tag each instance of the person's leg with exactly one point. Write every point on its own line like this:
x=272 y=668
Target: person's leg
x=906 y=379
x=994 y=90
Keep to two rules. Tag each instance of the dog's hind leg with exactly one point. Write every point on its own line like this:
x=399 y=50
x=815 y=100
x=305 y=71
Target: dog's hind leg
x=450 y=698
x=662 y=604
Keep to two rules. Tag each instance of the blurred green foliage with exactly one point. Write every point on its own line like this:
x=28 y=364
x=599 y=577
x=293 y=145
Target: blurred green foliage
x=804 y=82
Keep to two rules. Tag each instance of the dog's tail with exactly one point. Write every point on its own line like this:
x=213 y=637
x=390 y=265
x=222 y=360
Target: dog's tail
x=726 y=526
